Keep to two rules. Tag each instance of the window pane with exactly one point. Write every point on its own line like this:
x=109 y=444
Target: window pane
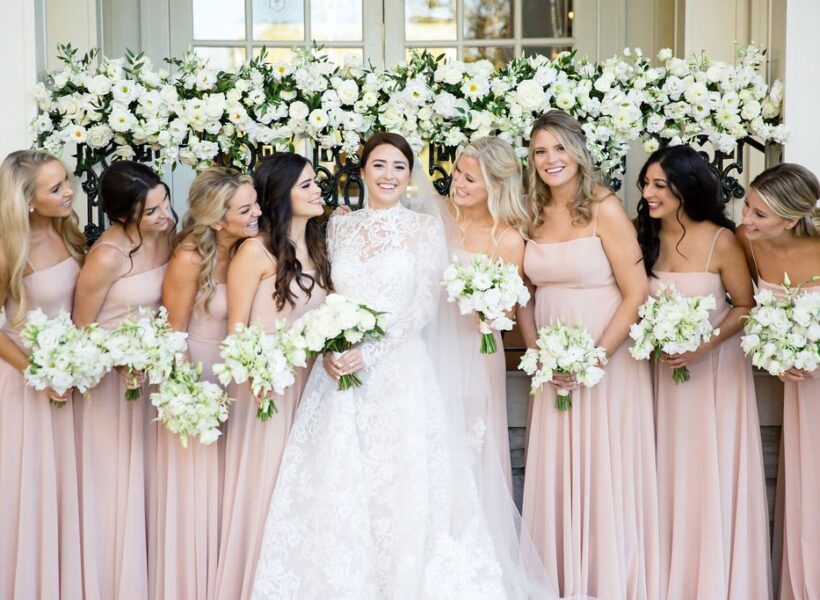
x=219 y=19
x=337 y=55
x=488 y=19
x=279 y=20
x=451 y=53
x=336 y=20
x=221 y=58
x=547 y=18
x=430 y=20
x=499 y=56
x=548 y=51
x=275 y=55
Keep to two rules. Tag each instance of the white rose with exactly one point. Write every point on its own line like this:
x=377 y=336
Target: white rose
x=69 y=106
x=348 y=92
x=298 y=110
x=99 y=85
x=99 y=136
x=531 y=95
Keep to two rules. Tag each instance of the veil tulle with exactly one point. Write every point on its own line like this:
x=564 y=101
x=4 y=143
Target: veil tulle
x=456 y=357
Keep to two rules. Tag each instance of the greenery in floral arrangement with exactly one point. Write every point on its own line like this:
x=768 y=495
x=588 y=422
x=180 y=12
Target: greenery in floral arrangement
x=194 y=114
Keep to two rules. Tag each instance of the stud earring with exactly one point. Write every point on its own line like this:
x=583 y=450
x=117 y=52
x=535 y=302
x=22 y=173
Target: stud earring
x=31 y=209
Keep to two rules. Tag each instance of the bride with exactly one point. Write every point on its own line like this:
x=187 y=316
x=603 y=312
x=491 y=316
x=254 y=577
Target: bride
x=375 y=499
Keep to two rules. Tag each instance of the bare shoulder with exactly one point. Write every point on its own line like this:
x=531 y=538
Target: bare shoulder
x=106 y=255
x=511 y=241
x=610 y=212
x=185 y=257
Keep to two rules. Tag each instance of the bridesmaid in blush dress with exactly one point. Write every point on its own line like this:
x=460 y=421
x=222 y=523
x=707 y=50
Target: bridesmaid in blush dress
x=485 y=215
x=184 y=536
x=714 y=532
x=590 y=492
x=781 y=235
x=116 y=439
x=41 y=248
x=279 y=275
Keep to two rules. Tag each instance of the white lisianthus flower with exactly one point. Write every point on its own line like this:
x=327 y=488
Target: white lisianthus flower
x=121 y=120
x=298 y=110
x=651 y=145
x=99 y=136
x=76 y=134
x=695 y=93
x=205 y=79
x=318 y=119
x=531 y=95
x=565 y=100
x=750 y=110
x=125 y=91
x=348 y=92
x=475 y=88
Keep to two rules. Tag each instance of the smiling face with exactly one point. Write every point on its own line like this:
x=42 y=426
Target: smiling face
x=760 y=221
x=52 y=191
x=241 y=219
x=306 y=195
x=386 y=176
x=468 y=183
x=156 y=213
x=656 y=190
x=553 y=162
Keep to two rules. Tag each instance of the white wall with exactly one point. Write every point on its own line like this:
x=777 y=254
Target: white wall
x=802 y=83
x=18 y=72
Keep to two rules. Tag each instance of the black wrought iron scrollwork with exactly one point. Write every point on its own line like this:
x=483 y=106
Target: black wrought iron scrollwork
x=339 y=174
x=345 y=176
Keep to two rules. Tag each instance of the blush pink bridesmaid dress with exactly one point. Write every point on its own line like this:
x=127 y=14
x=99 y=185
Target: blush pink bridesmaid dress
x=253 y=452
x=714 y=527
x=39 y=500
x=186 y=508
x=797 y=516
x=116 y=442
x=590 y=490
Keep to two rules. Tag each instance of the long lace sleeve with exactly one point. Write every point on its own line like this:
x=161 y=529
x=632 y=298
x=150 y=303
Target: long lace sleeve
x=430 y=253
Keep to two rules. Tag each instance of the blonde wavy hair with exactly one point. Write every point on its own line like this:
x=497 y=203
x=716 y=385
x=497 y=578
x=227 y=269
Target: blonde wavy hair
x=569 y=133
x=501 y=173
x=18 y=185
x=208 y=200
x=792 y=192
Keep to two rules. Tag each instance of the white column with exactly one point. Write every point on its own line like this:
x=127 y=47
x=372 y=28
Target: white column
x=18 y=72
x=802 y=83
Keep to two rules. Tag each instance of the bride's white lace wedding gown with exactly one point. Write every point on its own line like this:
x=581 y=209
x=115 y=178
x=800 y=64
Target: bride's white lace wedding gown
x=374 y=499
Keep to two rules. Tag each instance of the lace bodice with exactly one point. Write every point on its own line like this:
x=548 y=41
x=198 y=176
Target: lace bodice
x=392 y=260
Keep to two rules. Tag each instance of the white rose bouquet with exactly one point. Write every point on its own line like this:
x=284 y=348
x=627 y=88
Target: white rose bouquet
x=63 y=356
x=267 y=360
x=566 y=350
x=672 y=323
x=489 y=289
x=189 y=407
x=335 y=326
x=146 y=345
x=784 y=332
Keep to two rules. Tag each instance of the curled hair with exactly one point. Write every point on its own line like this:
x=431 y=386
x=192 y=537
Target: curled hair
x=390 y=139
x=274 y=180
x=501 y=173
x=124 y=187
x=569 y=133
x=208 y=200
x=792 y=192
x=693 y=182
x=18 y=186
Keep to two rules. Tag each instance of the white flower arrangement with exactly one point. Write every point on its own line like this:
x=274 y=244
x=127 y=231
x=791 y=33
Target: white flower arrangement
x=198 y=113
x=268 y=361
x=782 y=333
x=672 y=323
x=335 y=326
x=63 y=356
x=146 y=344
x=189 y=407
x=489 y=289
x=566 y=350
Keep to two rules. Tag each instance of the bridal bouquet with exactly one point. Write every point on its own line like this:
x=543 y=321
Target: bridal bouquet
x=784 y=332
x=189 y=407
x=63 y=356
x=490 y=289
x=146 y=344
x=566 y=350
x=267 y=360
x=335 y=326
x=674 y=324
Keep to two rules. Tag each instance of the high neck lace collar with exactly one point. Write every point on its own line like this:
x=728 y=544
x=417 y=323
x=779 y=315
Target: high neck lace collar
x=384 y=213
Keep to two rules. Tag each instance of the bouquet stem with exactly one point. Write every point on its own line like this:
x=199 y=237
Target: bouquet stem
x=267 y=408
x=56 y=404
x=132 y=394
x=680 y=375
x=563 y=401
x=348 y=381
x=488 y=343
